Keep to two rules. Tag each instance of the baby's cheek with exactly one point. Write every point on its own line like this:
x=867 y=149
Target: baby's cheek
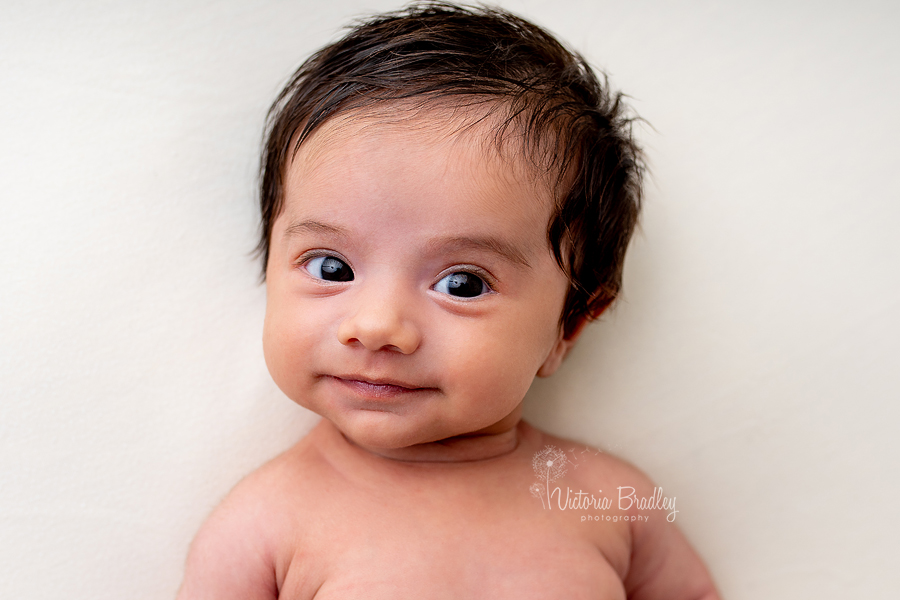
x=286 y=350
x=495 y=372
x=278 y=360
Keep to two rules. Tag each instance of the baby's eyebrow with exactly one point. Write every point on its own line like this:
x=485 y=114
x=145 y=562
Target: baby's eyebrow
x=491 y=244
x=310 y=226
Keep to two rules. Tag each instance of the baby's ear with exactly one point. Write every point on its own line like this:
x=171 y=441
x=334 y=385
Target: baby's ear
x=561 y=349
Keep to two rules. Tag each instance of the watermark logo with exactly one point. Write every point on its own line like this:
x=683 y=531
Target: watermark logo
x=551 y=463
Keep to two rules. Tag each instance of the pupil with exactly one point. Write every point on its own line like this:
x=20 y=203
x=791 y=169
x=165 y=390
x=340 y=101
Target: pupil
x=335 y=270
x=464 y=285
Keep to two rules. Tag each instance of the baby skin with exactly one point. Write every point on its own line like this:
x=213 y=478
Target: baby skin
x=412 y=297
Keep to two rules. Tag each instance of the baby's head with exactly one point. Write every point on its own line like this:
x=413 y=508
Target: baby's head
x=447 y=195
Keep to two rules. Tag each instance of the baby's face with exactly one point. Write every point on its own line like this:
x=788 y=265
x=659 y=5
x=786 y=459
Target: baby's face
x=412 y=295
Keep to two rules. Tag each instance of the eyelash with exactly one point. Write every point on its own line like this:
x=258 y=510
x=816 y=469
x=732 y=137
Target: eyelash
x=304 y=259
x=486 y=277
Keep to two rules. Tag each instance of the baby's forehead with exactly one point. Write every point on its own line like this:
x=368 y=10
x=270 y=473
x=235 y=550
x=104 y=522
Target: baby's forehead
x=416 y=162
x=479 y=130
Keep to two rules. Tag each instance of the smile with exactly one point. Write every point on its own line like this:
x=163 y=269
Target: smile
x=378 y=389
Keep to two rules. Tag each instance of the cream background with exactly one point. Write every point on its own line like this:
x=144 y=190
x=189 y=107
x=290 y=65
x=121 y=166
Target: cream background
x=751 y=367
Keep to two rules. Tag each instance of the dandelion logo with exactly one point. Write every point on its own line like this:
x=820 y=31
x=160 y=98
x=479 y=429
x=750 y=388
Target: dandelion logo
x=537 y=490
x=549 y=465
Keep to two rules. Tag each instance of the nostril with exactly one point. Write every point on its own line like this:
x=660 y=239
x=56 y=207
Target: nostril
x=400 y=338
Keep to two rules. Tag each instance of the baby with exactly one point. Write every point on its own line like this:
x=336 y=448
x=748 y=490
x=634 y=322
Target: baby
x=447 y=194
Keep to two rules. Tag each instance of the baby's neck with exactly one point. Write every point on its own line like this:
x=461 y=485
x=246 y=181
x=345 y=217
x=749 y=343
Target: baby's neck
x=500 y=440
x=463 y=448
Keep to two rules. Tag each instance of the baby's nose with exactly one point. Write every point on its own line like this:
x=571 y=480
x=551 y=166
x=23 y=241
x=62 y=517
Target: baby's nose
x=381 y=322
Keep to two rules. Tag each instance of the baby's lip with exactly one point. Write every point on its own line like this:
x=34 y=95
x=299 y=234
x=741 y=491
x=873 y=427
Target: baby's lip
x=379 y=387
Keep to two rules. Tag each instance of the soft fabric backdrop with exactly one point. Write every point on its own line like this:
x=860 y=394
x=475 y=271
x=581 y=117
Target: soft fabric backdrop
x=750 y=368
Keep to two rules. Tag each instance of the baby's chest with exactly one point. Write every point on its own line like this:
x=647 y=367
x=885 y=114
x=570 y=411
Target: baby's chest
x=417 y=554
x=454 y=573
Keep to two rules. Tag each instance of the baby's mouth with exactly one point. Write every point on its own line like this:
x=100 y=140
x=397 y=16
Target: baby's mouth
x=377 y=388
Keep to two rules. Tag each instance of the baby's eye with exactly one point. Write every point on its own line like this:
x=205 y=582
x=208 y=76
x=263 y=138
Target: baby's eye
x=329 y=268
x=462 y=285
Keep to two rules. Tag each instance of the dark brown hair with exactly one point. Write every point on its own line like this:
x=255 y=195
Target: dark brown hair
x=570 y=124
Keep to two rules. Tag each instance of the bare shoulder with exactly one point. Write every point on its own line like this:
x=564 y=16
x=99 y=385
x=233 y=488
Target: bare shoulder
x=585 y=464
x=243 y=548
x=662 y=562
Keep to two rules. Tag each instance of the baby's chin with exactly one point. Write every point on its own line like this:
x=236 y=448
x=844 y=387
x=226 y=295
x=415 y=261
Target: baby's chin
x=381 y=433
